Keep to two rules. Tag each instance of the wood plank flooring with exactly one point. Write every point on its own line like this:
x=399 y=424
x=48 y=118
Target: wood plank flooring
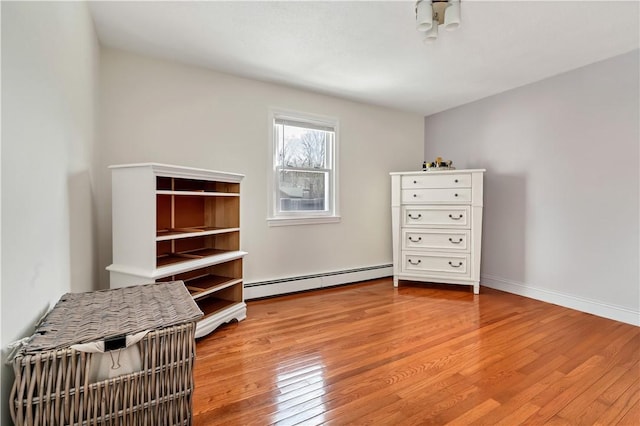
x=420 y=354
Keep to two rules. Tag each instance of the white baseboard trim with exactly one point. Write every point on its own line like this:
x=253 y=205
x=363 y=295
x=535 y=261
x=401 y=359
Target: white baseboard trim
x=594 y=307
x=260 y=289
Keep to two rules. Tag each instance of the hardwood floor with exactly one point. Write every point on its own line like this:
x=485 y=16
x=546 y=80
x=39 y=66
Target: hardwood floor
x=420 y=354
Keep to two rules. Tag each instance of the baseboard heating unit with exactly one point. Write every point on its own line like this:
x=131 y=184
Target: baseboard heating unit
x=259 y=289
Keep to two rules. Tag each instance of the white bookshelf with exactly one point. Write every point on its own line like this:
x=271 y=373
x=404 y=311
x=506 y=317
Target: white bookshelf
x=173 y=223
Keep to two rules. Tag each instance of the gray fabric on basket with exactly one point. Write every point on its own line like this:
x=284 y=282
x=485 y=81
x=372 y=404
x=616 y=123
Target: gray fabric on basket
x=86 y=317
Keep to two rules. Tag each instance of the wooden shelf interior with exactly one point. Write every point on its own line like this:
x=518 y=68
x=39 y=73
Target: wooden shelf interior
x=194 y=185
x=192 y=211
x=217 y=217
x=187 y=206
x=204 y=281
x=220 y=300
x=174 y=251
x=181 y=231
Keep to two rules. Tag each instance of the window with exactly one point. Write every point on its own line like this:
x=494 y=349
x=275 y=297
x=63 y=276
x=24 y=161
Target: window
x=303 y=181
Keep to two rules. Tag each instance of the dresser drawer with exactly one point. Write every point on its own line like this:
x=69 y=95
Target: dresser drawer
x=434 y=239
x=441 y=264
x=436 y=217
x=437 y=195
x=457 y=180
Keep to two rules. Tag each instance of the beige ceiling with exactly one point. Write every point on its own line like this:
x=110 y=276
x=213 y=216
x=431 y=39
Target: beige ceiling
x=369 y=51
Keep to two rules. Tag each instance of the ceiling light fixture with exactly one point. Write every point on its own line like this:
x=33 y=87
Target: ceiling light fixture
x=432 y=13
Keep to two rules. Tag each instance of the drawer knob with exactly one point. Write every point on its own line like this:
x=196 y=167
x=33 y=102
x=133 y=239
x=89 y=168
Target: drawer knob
x=415 y=195
x=415 y=263
x=455 y=218
x=417 y=217
x=455 y=195
x=456 y=181
x=415 y=181
x=415 y=241
x=455 y=242
x=455 y=266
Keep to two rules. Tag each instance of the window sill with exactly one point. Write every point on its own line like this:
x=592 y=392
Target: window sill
x=288 y=221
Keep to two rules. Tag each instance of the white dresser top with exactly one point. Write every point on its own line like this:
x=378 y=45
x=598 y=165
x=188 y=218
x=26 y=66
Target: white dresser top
x=439 y=172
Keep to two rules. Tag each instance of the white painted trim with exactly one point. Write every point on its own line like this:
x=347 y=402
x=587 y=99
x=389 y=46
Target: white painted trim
x=594 y=307
x=184 y=172
x=295 y=284
x=208 y=324
x=437 y=172
x=199 y=194
x=307 y=220
x=177 y=268
x=217 y=231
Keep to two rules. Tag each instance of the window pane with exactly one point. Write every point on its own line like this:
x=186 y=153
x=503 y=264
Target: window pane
x=302 y=147
x=303 y=191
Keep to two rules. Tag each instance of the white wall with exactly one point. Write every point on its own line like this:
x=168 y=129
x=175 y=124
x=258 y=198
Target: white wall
x=158 y=111
x=49 y=82
x=562 y=185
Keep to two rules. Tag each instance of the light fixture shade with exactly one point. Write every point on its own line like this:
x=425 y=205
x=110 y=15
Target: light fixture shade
x=424 y=15
x=431 y=35
x=452 y=15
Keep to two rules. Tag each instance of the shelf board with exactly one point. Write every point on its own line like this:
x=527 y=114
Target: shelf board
x=196 y=231
x=174 y=258
x=212 y=305
x=178 y=263
x=203 y=286
x=198 y=193
x=203 y=252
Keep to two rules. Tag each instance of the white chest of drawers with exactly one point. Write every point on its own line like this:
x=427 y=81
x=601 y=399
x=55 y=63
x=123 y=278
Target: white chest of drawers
x=437 y=226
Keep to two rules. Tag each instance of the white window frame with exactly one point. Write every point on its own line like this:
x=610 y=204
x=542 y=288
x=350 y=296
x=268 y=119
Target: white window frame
x=276 y=217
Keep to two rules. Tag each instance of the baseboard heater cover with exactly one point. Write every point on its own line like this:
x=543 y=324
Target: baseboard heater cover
x=279 y=286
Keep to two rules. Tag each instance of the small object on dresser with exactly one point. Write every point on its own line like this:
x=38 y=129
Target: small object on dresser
x=438 y=164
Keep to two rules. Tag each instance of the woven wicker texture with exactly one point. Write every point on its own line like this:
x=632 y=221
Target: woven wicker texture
x=87 y=317
x=55 y=388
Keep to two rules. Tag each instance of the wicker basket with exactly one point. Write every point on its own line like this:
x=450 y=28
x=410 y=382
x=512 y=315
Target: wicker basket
x=53 y=384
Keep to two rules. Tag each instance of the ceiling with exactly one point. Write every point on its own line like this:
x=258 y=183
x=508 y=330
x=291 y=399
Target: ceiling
x=370 y=51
